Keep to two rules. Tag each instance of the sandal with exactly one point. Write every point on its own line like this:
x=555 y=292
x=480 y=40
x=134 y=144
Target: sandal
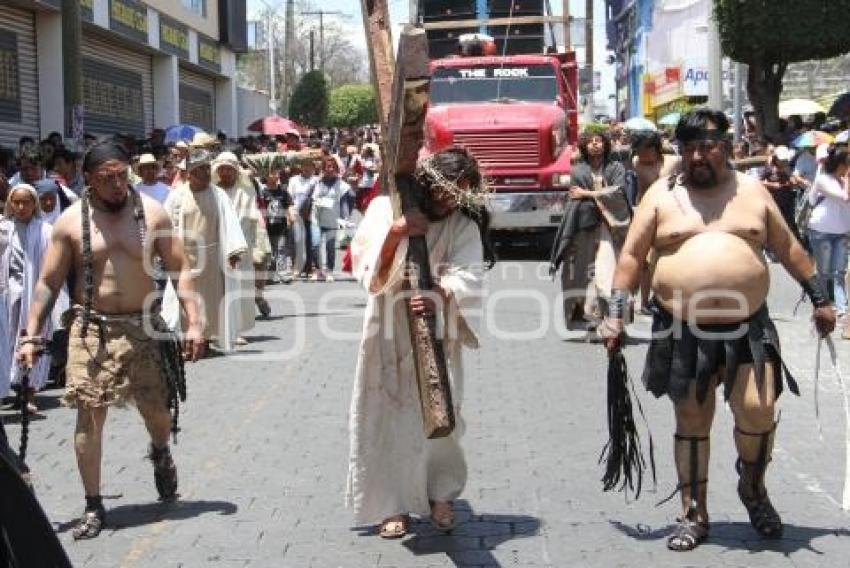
x=394 y=527
x=687 y=535
x=442 y=516
x=763 y=516
x=164 y=473
x=90 y=524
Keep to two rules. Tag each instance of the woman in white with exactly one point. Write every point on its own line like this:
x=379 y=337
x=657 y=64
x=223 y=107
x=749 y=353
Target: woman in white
x=24 y=236
x=829 y=223
x=394 y=470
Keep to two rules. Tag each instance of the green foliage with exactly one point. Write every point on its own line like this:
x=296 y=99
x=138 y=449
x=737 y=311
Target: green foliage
x=594 y=128
x=309 y=102
x=782 y=32
x=352 y=105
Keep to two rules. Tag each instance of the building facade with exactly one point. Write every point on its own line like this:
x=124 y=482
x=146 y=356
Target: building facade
x=144 y=65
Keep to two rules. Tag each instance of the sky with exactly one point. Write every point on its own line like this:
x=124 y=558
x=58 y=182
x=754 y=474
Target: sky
x=399 y=15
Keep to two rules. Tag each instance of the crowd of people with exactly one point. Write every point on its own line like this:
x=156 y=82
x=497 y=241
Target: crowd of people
x=155 y=239
x=288 y=209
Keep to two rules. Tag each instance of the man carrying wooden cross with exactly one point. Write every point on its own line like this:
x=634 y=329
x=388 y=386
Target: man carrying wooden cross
x=394 y=469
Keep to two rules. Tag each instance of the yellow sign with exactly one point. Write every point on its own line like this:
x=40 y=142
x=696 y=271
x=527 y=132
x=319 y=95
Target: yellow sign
x=129 y=16
x=174 y=36
x=209 y=52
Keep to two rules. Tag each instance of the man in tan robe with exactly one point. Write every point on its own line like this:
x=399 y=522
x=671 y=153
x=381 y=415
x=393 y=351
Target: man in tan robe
x=230 y=177
x=206 y=222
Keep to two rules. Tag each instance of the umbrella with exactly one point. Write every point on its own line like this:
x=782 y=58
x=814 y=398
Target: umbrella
x=671 y=119
x=841 y=106
x=800 y=107
x=639 y=124
x=812 y=139
x=273 y=125
x=843 y=137
x=178 y=132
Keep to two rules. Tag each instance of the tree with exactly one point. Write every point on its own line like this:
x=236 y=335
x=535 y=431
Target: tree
x=309 y=102
x=352 y=105
x=767 y=36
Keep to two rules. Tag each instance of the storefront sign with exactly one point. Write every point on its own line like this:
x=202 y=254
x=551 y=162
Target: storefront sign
x=87 y=10
x=173 y=37
x=129 y=18
x=10 y=80
x=695 y=79
x=661 y=88
x=209 y=55
x=113 y=98
x=196 y=107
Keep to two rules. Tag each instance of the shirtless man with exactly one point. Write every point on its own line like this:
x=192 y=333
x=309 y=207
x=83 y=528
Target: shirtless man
x=112 y=359
x=709 y=226
x=650 y=164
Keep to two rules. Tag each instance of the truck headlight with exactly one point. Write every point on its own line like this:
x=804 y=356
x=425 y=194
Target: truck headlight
x=561 y=180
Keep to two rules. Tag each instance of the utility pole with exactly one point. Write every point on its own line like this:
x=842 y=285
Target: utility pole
x=72 y=76
x=321 y=14
x=312 y=49
x=288 y=42
x=567 y=27
x=270 y=41
x=588 y=58
x=715 y=67
x=738 y=100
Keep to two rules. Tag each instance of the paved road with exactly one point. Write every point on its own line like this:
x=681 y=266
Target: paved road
x=262 y=456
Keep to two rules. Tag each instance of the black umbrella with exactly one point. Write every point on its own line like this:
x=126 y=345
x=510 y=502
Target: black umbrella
x=841 y=107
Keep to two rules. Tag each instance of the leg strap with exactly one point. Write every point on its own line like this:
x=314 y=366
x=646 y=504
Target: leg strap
x=751 y=488
x=693 y=482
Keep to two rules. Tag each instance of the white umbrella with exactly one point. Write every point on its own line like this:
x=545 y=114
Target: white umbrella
x=639 y=123
x=800 y=107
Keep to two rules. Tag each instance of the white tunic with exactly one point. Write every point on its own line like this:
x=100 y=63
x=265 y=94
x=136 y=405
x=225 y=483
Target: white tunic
x=393 y=468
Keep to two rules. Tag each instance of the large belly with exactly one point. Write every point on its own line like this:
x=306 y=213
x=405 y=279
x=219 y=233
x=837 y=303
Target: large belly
x=712 y=277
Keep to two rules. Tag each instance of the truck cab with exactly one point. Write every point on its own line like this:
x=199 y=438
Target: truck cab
x=517 y=115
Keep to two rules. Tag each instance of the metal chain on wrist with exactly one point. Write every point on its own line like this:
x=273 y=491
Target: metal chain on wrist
x=88 y=264
x=618 y=304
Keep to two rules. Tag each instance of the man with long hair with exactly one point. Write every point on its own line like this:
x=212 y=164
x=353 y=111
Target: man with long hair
x=394 y=470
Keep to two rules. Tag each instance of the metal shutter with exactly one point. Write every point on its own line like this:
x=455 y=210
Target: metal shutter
x=19 y=113
x=123 y=65
x=197 y=99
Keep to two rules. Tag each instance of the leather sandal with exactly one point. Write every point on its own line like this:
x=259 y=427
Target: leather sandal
x=442 y=516
x=90 y=524
x=687 y=535
x=394 y=527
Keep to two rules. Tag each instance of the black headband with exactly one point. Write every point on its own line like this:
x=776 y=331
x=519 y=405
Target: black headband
x=102 y=153
x=695 y=134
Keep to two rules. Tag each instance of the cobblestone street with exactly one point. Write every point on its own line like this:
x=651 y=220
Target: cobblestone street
x=263 y=453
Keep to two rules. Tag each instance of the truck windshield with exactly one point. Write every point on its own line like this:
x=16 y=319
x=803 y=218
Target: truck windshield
x=494 y=83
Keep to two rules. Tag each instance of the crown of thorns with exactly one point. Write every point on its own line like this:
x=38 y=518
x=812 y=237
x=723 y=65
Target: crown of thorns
x=471 y=198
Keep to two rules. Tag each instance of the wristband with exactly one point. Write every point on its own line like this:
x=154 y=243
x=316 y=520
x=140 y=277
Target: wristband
x=618 y=304
x=34 y=340
x=813 y=289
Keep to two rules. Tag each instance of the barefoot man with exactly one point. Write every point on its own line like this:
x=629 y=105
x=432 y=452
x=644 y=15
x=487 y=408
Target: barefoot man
x=709 y=226
x=108 y=240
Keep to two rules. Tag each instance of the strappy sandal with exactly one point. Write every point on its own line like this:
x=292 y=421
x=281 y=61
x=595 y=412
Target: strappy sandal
x=164 y=473
x=442 y=516
x=763 y=516
x=687 y=535
x=90 y=524
x=394 y=527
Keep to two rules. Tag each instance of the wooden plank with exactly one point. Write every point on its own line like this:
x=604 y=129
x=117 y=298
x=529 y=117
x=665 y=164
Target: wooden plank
x=477 y=23
x=376 y=21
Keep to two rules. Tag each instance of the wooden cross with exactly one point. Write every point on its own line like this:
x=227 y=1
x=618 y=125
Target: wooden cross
x=402 y=109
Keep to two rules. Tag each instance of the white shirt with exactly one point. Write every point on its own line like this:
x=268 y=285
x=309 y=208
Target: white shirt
x=299 y=188
x=158 y=191
x=832 y=213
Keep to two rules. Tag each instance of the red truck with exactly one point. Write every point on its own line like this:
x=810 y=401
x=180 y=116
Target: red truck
x=517 y=115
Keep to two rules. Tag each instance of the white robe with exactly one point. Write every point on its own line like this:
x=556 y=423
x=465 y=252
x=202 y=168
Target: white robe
x=16 y=297
x=231 y=242
x=393 y=468
x=243 y=196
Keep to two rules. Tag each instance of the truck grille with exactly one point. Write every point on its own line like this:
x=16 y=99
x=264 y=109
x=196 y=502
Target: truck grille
x=519 y=148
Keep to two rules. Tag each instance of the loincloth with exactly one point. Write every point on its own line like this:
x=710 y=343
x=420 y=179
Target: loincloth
x=118 y=362
x=676 y=359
